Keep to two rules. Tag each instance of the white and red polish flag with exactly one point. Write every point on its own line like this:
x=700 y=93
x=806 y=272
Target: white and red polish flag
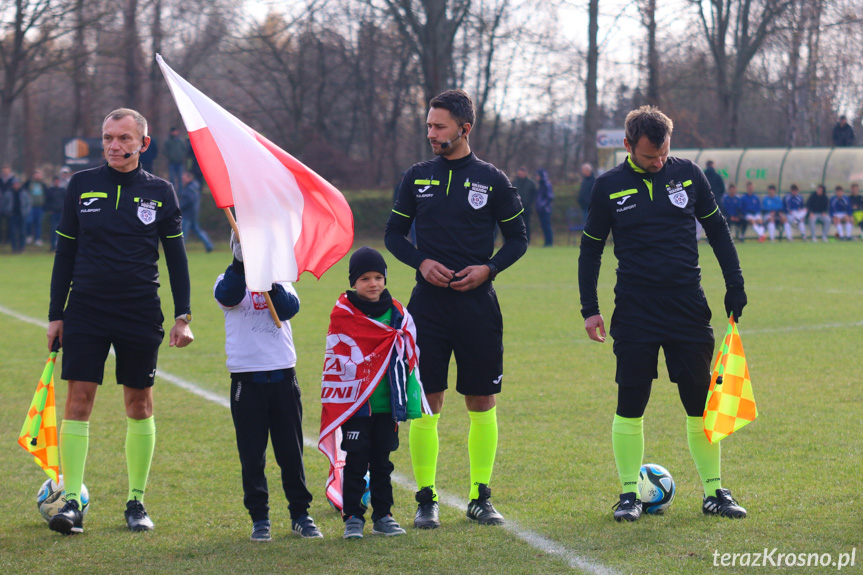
x=291 y=220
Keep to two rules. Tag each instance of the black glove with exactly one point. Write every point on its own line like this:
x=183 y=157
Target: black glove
x=735 y=301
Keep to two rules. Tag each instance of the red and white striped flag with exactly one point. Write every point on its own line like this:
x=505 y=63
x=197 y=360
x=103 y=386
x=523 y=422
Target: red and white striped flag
x=291 y=220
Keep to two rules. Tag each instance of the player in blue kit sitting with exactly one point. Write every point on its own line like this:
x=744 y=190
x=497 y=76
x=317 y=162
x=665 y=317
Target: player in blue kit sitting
x=795 y=210
x=750 y=204
x=840 y=213
x=774 y=211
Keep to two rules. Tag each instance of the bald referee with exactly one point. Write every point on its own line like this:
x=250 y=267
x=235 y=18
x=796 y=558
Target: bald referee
x=114 y=218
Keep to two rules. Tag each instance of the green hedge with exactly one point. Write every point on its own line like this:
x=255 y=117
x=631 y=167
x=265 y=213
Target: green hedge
x=371 y=209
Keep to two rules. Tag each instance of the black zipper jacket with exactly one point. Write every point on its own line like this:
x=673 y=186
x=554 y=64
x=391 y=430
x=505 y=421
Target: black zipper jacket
x=652 y=217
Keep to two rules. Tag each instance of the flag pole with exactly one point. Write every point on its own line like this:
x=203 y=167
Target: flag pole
x=234 y=227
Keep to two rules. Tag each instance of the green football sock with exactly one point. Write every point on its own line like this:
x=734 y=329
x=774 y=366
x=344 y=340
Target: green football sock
x=707 y=456
x=481 y=447
x=424 y=446
x=74 y=441
x=627 y=440
x=140 y=443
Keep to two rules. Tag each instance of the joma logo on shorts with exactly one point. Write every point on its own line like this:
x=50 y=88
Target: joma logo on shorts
x=353 y=435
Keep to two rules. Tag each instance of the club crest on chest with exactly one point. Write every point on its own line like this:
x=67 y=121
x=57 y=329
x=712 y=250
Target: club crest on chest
x=147 y=211
x=477 y=195
x=677 y=194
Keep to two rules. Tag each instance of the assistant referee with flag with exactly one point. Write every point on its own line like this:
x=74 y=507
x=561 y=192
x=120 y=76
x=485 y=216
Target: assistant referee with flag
x=650 y=203
x=113 y=220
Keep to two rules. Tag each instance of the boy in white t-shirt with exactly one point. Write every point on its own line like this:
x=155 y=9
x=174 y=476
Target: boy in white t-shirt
x=265 y=395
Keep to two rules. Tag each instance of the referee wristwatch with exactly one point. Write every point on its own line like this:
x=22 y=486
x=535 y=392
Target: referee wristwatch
x=493 y=269
x=186 y=317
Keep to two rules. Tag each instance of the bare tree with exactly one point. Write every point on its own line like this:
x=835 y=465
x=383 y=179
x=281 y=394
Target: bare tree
x=749 y=24
x=79 y=73
x=648 y=19
x=591 y=112
x=487 y=25
x=154 y=108
x=28 y=49
x=430 y=28
x=796 y=13
x=131 y=54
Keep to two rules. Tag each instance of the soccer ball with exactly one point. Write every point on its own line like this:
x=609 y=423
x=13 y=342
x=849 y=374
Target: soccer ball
x=50 y=498
x=656 y=488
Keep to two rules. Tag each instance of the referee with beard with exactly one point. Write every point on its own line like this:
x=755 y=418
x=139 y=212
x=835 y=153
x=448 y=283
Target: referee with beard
x=456 y=200
x=650 y=203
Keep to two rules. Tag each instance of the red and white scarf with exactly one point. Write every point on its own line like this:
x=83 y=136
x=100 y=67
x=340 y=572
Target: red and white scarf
x=358 y=355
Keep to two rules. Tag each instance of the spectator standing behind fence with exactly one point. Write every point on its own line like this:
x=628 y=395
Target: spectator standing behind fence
x=190 y=205
x=16 y=205
x=734 y=212
x=527 y=191
x=149 y=155
x=6 y=176
x=65 y=176
x=36 y=188
x=795 y=208
x=193 y=165
x=544 y=199
x=54 y=197
x=774 y=211
x=751 y=206
x=588 y=178
x=840 y=213
x=855 y=200
x=843 y=133
x=175 y=152
x=818 y=206
x=717 y=184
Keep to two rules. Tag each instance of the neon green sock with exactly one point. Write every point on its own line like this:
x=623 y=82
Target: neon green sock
x=140 y=443
x=707 y=456
x=424 y=446
x=481 y=447
x=74 y=442
x=627 y=440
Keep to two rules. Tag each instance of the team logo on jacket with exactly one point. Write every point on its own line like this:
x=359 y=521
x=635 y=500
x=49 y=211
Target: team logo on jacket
x=477 y=194
x=147 y=211
x=677 y=194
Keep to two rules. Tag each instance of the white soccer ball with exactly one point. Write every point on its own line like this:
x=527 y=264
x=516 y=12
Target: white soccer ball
x=656 y=488
x=50 y=498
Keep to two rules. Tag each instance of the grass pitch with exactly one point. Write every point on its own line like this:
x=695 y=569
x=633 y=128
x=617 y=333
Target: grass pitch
x=796 y=469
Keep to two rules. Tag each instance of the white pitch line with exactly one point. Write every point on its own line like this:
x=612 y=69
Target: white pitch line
x=532 y=538
x=787 y=329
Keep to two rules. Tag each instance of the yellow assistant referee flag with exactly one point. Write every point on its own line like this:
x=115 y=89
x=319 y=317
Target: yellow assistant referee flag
x=39 y=433
x=730 y=402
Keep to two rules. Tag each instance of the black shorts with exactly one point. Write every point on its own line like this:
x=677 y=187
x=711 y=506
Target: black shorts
x=679 y=324
x=89 y=331
x=468 y=325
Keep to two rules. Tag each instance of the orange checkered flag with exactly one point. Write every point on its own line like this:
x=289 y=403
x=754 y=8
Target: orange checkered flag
x=730 y=402
x=39 y=433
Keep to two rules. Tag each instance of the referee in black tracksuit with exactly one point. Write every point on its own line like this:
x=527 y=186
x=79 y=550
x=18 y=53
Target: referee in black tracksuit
x=650 y=203
x=456 y=200
x=114 y=218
